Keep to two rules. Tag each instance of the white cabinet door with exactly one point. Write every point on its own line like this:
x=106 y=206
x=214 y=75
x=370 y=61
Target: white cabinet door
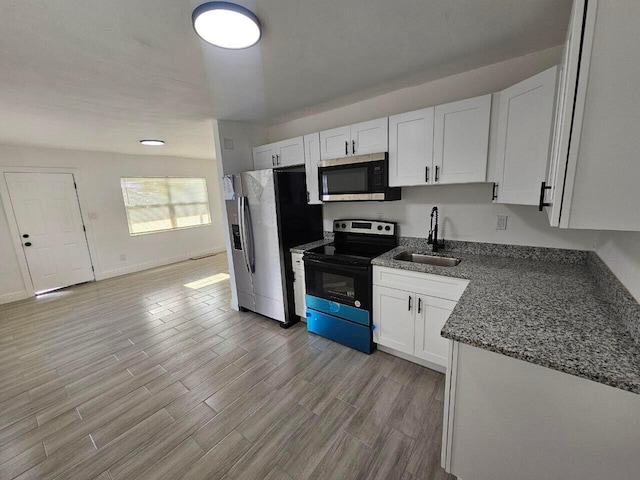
x=264 y=157
x=299 y=292
x=289 y=152
x=311 y=159
x=431 y=315
x=461 y=140
x=411 y=148
x=370 y=137
x=393 y=317
x=525 y=125
x=335 y=143
x=567 y=80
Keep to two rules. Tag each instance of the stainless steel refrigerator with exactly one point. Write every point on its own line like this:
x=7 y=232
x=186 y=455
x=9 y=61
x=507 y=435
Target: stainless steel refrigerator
x=267 y=217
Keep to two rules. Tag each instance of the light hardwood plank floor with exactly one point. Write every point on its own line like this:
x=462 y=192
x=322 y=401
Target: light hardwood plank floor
x=152 y=375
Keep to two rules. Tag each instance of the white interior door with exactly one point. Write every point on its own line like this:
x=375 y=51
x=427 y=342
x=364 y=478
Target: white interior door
x=52 y=232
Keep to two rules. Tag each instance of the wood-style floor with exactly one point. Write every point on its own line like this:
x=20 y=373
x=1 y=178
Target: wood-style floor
x=144 y=377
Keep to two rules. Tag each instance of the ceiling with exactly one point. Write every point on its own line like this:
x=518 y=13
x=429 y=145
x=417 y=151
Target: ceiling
x=100 y=75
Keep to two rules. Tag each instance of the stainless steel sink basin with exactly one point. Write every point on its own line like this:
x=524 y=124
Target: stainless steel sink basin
x=428 y=259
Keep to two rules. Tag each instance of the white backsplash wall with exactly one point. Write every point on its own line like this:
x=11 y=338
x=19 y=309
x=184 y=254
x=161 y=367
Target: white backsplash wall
x=466 y=213
x=621 y=252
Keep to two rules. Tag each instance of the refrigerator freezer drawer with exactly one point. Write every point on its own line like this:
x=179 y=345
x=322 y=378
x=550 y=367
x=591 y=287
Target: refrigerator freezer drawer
x=342 y=331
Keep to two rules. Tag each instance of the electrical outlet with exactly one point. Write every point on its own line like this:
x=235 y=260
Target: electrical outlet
x=123 y=258
x=228 y=143
x=501 y=224
x=92 y=215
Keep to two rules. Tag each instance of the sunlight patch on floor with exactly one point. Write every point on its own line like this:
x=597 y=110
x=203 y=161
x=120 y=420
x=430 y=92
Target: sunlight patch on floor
x=205 y=282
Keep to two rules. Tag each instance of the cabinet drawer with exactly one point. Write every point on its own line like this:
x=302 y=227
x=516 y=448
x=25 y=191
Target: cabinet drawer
x=423 y=283
x=296 y=261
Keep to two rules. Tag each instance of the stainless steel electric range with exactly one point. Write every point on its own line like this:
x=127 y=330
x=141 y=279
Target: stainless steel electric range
x=338 y=280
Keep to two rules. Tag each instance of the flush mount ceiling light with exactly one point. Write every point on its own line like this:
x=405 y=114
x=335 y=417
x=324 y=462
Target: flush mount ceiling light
x=152 y=143
x=226 y=25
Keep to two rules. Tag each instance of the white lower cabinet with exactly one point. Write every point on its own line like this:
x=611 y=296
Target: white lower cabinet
x=299 y=288
x=393 y=317
x=409 y=311
x=431 y=315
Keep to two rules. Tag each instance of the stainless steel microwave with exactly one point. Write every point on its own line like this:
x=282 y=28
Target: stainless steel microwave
x=357 y=178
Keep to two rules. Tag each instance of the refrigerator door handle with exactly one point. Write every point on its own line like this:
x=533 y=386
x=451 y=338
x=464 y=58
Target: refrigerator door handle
x=243 y=240
x=248 y=236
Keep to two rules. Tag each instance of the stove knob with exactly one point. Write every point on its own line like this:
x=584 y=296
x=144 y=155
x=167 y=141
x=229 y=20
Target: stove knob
x=379 y=227
x=387 y=228
x=337 y=225
x=344 y=225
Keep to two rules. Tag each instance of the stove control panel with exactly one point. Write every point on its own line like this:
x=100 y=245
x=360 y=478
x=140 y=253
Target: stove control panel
x=371 y=227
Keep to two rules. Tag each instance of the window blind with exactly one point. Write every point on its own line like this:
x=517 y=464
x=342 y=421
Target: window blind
x=165 y=203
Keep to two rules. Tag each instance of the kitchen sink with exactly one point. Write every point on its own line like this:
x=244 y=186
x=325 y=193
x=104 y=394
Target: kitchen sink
x=428 y=259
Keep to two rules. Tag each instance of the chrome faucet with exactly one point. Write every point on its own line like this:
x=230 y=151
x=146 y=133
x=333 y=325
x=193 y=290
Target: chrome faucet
x=433 y=233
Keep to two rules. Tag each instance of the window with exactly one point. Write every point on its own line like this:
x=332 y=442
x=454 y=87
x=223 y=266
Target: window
x=160 y=204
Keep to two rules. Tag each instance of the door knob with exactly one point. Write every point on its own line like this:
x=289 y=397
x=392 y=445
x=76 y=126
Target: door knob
x=28 y=244
x=26 y=235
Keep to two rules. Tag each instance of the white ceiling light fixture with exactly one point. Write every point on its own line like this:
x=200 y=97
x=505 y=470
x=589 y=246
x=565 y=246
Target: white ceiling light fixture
x=152 y=143
x=227 y=25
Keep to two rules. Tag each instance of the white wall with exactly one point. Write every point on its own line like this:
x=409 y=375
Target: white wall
x=489 y=79
x=621 y=252
x=100 y=193
x=467 y=212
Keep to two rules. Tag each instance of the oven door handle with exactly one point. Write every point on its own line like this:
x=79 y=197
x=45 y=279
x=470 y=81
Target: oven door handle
x=344 y=267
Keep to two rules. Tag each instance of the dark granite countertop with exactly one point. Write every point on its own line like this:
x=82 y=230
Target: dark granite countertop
x=545 y=307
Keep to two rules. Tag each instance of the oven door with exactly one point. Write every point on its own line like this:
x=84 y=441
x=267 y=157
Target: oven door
x=341 y=283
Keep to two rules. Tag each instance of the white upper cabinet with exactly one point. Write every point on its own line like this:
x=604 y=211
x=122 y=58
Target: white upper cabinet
x=358 y=139
x=370 y=137
x=264 y=157
x=594 y=177
x=461 y=141
x=286 y=153
x=289 y=152
x=312 y=157
x=411 y=148
x=335 y=143
x=525 y=122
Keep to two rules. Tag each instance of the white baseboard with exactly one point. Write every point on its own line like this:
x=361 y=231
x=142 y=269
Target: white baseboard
x=13 y=297
x=156 y=263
